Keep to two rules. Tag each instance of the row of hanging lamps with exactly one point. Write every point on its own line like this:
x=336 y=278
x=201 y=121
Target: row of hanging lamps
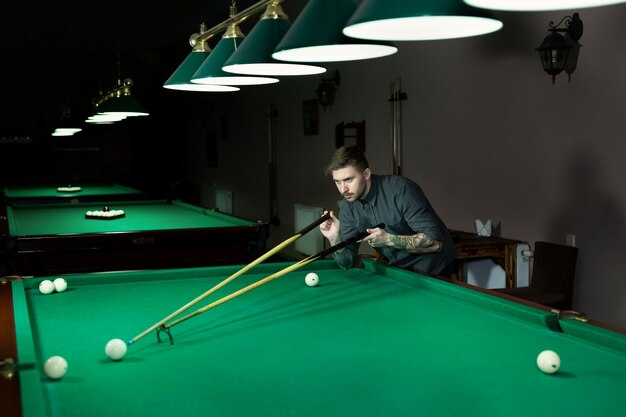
x=539 y=5
x=317 y=36
x=325 y=31
x=211 y=72
x=181 y=79
x=410 y=20
x=254 y=55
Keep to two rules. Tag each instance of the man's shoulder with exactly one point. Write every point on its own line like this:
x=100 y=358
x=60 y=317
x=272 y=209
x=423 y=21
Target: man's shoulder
x=395 y=181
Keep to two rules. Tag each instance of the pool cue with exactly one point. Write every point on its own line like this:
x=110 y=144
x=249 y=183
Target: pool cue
x=272 y=277
x=243 y=270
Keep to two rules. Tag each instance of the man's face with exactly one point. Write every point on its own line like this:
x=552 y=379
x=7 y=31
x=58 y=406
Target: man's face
x=351 y=182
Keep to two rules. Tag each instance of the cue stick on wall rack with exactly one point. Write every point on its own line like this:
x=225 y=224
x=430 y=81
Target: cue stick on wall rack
x=243 y=270
x=272 y=277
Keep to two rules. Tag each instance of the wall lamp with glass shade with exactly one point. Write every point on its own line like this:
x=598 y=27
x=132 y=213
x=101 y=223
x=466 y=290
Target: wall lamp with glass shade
x=210 y=71
x=539 y=5
x=181 y=78
x=411 y=20
x=317 y=36
x=254 y=55
x=558 y=52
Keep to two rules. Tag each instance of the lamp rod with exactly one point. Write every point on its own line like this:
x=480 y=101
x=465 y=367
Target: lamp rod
x=233 y=20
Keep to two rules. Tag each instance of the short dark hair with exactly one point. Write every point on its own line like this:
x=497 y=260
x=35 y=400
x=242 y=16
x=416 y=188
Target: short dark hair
x=347 y=156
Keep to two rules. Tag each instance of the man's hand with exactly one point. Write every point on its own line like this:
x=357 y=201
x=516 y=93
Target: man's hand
x=330 y=229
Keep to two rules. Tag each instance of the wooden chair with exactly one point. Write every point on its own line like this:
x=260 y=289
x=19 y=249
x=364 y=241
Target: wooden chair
x=552 y=279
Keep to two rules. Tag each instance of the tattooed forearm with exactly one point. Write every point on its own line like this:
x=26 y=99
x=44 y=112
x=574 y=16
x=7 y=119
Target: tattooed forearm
x=418 y=243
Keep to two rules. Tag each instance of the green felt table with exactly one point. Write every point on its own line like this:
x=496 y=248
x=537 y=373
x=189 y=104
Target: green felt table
x=55 y=238
x=377 y=341
x=50 y=193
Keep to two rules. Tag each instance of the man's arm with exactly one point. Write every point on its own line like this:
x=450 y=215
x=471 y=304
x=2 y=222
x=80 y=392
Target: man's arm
x=331 y=230
x=417 y=243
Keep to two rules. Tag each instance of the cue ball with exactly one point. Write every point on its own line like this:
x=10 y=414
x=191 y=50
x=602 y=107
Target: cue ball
x=311 y=279
x=55 y=367
x=46 y=286
x=115 y=349
x=548 y=361
x=60 y=284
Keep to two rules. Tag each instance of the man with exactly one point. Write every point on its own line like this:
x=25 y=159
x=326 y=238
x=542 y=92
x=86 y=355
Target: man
x=414 y=237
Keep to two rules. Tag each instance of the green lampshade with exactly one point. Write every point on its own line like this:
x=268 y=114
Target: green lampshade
x=181 y=78
x=254 y=55
x=406 y=20
x=61 y=131
x=316 y=36
x=68 y=125
x=210 y=71
x=126 y=105
x=539 y=5
x=105 y=118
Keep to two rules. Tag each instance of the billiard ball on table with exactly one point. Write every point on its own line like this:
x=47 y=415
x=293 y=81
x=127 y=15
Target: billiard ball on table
x=548 y=361
x=46 y=287
x=55 y=367
x=311 y=279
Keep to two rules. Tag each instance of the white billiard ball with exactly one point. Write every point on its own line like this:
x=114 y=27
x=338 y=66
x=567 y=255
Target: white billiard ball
x=548 y=361
x=46 y=286
x=55 y=367
x=311 y=279
x=60 y=284
x=115 y=349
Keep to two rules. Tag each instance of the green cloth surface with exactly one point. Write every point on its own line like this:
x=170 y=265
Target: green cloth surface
x=365 y=342
x=59 y=219
x=51 y=191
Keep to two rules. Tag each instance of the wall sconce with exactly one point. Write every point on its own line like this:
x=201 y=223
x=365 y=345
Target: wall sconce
x=558 y=52
x=327 y=89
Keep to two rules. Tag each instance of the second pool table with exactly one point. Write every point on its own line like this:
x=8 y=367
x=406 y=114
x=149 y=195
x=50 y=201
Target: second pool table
x=377 y=341
x=42 y=239
x=28 y=194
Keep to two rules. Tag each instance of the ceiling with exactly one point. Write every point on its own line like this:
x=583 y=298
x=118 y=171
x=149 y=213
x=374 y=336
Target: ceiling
x=60 y=53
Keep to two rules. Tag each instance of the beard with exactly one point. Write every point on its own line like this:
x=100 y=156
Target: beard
x=354 y=196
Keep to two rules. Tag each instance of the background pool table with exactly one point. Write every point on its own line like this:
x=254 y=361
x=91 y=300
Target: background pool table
x=44 y=239
x=377 y=341
x=49 y=194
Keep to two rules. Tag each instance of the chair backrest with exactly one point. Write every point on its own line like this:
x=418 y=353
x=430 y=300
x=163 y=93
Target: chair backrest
x=554 y=268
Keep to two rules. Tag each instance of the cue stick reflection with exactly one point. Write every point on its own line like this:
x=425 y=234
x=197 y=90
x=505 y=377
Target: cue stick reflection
x=284 y=271
x=240 y=272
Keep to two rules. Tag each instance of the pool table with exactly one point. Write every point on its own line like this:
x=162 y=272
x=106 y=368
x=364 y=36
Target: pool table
x=49 y=193
x=41 y=239
x=376 y=341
